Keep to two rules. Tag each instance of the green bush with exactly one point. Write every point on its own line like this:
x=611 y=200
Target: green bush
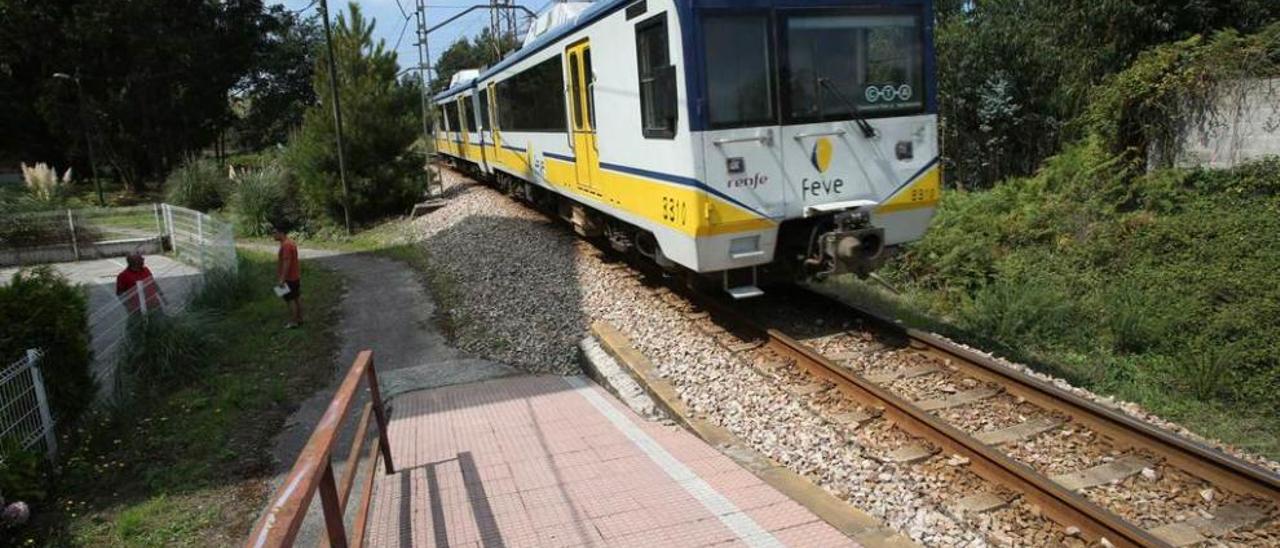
x=162 y=349
x=263 y=199
x=23 y=474
x=40 y=309
x=384 y=170
x=223 y=289
x=199 y=184
x=1174 y=86
x=1015 y=76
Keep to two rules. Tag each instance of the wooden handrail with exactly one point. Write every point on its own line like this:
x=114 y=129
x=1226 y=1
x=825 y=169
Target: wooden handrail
x=313 y=471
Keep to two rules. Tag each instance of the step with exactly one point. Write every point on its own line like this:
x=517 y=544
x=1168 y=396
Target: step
x=745 y=292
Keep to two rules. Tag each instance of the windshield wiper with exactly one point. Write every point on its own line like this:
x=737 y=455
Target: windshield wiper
x=867 y=131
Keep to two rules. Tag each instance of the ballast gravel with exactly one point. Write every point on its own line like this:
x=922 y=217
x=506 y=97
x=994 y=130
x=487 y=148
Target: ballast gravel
x=516 y=287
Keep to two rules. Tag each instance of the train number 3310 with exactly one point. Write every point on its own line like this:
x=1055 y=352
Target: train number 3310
x=675 y=211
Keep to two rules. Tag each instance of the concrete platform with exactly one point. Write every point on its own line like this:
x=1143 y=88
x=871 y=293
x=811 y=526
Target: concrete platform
x=557 y=461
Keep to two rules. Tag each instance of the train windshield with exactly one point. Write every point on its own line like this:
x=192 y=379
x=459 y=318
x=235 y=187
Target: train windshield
x=844 y=66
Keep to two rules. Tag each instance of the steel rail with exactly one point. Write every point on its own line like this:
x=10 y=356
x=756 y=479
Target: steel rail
x=1122 y=430
x=1059 y=503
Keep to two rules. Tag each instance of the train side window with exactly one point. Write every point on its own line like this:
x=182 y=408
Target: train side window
x=451 y=117
x=533 y=100
x=739 y=71
x=575 y=91
x=657 y=78
x=469 y=113
x=484 y=109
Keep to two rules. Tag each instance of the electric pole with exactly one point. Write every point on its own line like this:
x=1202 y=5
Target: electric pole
x=337 y=116
x=502 y=23
x=424 y=71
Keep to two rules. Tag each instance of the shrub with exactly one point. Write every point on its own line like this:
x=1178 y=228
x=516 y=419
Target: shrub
x=40 y=309
x=43 y=183
x=224 y=288
x=199 y=184
x=1174 y=86
x=262 y=199
x=23 y=474
x=162 y=349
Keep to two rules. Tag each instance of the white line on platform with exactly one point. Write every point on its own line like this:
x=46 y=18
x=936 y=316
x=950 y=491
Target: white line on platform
x=735 y=519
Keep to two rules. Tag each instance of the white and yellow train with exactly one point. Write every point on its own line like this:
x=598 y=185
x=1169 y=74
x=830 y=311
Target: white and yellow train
x=737 y=139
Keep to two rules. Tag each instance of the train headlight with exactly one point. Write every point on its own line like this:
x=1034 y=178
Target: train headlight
x=905 y=150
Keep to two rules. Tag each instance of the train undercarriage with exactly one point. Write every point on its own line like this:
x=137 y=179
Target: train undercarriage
x=812 y=248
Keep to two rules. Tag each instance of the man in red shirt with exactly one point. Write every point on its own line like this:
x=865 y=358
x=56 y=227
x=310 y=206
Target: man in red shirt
x=134 y=274
x=289 y=273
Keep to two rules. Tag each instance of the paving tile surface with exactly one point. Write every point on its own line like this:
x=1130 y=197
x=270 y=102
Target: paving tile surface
x=554 y=461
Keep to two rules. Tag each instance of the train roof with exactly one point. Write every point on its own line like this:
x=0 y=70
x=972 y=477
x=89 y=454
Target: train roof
x=601 y=8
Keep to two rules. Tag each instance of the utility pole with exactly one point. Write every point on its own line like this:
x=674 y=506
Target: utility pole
x=424 y=77
x=337 y=116
x=502 y=23
x=88 y=137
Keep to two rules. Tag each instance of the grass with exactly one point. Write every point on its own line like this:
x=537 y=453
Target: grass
x=188 y=464
x=1158 y=288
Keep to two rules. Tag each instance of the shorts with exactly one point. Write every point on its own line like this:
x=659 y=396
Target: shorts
x=295 y=290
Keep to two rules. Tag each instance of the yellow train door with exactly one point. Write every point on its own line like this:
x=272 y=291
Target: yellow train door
x=582 y=105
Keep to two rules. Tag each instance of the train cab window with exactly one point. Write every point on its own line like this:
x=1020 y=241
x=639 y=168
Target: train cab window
x=853 y=65
x=484 y=109
x=739 y=70
x=468 y=112
x=657 y=79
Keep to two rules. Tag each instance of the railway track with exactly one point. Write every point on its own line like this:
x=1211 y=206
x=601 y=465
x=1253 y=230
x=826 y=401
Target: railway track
x=1090 y=496
x=1099 y=474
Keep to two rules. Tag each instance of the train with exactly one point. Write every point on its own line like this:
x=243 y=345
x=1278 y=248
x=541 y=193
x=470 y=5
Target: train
x=739 y=141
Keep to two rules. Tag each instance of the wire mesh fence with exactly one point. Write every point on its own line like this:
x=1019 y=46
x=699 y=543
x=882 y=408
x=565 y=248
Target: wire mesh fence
x=201 y=245
x=25 y=417
x=80 y=234
x=183 y=248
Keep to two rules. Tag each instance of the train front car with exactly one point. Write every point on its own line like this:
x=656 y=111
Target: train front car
x=818 y=123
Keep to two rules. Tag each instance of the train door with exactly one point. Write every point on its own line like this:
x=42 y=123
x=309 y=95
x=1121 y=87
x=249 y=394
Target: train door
x=462 y=126
x=493 y=115
x=480 y=109
x=582 y=105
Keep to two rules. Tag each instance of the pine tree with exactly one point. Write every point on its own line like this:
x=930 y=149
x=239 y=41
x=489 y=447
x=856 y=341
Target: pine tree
x=381 y=124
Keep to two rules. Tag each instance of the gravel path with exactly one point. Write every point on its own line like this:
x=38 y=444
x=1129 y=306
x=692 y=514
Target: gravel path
x=518 y=288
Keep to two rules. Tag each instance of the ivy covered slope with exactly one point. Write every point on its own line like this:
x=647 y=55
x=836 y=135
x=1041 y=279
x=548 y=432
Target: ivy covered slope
x=1161 y=286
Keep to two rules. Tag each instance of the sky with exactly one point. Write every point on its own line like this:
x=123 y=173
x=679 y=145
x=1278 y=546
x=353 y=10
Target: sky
x=391 y=22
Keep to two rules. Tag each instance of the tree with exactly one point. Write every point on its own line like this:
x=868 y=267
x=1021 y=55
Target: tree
x=381 y=117
x=1014 y=75
x=273 y=96
x=156 y=75
x=467 y=54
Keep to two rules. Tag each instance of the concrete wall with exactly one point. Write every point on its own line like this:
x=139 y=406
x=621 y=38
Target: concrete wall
x=66 y=253
x=1242 y=125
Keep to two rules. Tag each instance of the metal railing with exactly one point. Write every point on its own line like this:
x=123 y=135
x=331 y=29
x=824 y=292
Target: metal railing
x=25 y=416
x=313 y=471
